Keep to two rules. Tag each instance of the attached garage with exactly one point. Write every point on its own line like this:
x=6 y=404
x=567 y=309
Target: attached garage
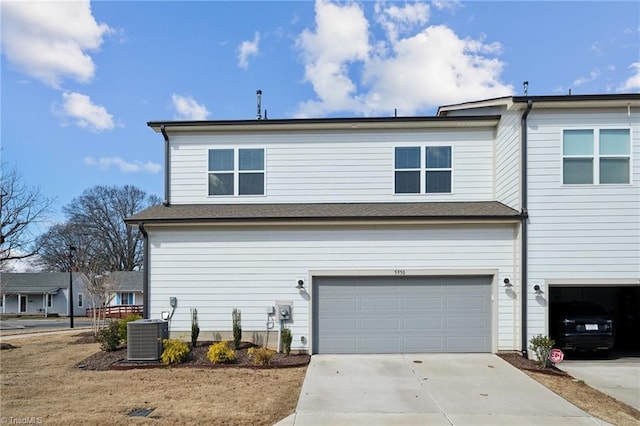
x=410 y=314
x=622 y=302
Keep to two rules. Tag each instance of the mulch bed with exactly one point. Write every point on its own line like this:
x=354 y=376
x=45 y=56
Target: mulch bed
x=518 y=361
x=117 y=360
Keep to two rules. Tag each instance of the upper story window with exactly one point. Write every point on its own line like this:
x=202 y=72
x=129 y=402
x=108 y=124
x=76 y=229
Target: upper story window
x=423 y=170
x=236 y=171
x=596 y=156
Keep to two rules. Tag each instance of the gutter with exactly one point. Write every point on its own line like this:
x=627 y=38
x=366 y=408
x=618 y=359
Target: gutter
x=524 y=216
x=167 y=192
x=145 y=272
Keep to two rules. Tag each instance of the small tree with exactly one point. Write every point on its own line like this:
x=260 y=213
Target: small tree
x=237 y=327
x=195 y=328
x=101 y=289
x=542 y=346
x=287 y=338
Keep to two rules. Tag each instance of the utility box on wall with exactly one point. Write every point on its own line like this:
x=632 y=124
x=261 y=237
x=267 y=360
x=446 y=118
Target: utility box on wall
x=284 y=310
x=144 y=339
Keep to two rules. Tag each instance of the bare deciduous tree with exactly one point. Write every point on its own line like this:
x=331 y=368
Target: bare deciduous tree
x=101 y=288
x=95 y=226
x=21 y=208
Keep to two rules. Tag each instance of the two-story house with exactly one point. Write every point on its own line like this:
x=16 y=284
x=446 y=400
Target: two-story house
x=396 y=234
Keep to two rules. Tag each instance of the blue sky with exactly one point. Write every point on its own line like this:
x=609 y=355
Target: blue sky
x=80 y=80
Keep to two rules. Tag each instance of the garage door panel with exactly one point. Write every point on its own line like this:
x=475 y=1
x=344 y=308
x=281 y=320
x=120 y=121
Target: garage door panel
x=376 y=324
x=379 y=344
x=378 y=305
x=422 y=323
x=401 y=314
x=422 y=303
x=416 y=344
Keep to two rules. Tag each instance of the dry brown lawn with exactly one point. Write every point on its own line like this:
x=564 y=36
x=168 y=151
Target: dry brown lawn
x=38 y=380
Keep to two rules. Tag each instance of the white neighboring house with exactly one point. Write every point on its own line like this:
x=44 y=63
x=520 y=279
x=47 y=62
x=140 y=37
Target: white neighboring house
x=397 y=234
x=582 y=197
x=42 y=293
x=129 y=291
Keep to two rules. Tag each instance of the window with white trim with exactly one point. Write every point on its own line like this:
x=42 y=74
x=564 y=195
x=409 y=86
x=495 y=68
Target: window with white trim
x=80 y=300
x=596 y=156
x=49 y=300
x=422 y=170
x=237 y=171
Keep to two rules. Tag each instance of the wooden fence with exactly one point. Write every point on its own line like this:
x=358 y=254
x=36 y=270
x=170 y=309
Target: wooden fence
x=119 y=311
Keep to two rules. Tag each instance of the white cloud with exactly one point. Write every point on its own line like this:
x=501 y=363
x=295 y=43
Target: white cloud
x=341 y=37
x=593 y=75
x=248 y=48
x=446 y=4
x=50 y=40
x=188 y=109
x=105 y=163
x=427 y=67
x=633 y=82
x=86 y=114
x=396 y=20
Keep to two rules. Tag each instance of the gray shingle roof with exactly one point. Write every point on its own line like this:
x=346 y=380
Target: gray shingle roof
x=489 y=210
x=40 y=282
x=129 y=281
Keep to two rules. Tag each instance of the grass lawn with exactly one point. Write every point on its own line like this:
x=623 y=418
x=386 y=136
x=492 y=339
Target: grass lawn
x=38 y=380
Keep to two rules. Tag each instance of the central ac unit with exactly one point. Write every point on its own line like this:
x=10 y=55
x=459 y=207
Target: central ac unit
x=144 y=339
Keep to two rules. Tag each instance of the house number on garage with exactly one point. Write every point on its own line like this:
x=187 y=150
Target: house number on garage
x=400 y=272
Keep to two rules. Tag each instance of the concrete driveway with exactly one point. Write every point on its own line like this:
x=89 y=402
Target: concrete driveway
x=438 y=389
x=619 y=378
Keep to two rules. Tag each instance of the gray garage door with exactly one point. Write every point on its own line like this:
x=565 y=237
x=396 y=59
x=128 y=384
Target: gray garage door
x=401 y=314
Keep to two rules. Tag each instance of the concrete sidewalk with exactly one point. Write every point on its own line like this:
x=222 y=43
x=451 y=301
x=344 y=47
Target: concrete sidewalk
x=438 y=389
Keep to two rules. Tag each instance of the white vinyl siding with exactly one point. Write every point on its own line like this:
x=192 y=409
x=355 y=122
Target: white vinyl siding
x=507 y=160
x=216 y=270
x=579 y=231
x=332 y=166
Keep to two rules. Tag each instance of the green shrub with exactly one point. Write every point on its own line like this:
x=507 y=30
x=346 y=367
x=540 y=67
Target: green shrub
x=221 y=353
x=195 y=328
x=123 y=324
x=174 y=351
x=542 y=346
x=109 y=336
x=287 y=338
x=261 y=355
x=237 y=327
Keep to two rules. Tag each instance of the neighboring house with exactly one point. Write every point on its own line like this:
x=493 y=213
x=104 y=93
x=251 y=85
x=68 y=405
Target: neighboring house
x=42 y=293
x=129 y=289
x=397 y=234
x=582 y=196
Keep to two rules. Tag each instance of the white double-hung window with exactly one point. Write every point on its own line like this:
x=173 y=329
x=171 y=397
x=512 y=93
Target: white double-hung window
x=596 y=156
x=236 y=171
x=422 y=170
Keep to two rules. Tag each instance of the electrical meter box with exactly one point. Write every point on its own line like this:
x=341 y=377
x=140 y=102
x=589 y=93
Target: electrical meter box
x=284 y=312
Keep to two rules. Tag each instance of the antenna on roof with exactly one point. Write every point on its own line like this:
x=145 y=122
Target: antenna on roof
x=569 y=91
x=525 y=87
x=395 y=112
x=259 y=96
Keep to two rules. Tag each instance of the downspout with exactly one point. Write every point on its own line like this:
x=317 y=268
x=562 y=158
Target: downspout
x=525 y=217
x=145 y=272
x=167 y=192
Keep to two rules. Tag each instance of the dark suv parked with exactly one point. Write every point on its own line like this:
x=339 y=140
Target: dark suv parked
x=581 y=327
